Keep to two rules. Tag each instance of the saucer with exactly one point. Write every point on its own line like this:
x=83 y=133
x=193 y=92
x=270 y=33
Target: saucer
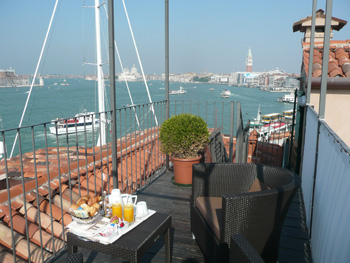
x=138 y=216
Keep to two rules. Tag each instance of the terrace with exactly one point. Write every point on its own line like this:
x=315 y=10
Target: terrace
x=43 y=183
x=49 y=174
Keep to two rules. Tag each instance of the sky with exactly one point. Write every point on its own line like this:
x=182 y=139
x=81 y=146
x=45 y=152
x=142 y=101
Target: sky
x=207 y=35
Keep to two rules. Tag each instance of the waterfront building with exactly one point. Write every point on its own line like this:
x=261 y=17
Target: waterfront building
x=129 y=75
x=8 y=78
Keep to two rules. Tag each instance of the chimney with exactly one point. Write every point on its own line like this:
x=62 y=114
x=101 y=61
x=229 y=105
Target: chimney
x=304 y=25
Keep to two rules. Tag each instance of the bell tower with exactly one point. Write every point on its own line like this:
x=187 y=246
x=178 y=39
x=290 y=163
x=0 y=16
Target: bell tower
x=249 y=62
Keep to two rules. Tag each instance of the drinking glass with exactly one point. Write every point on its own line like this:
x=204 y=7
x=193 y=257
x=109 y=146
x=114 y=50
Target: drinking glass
x=117 y=210
x=129 y=213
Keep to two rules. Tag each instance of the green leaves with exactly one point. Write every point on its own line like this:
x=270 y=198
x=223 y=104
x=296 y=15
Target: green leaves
x=184 y=136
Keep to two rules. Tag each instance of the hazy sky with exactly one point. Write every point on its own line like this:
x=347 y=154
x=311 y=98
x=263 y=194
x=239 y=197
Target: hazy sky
x=212 y=35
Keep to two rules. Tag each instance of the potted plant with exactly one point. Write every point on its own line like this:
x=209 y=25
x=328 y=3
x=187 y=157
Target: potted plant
x=184 y=137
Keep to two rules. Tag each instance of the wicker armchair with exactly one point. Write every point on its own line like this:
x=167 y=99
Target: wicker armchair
x=241 y=251
x=248 y=199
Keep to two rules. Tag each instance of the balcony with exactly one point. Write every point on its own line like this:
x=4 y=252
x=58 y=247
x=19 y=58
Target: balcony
x=43 y=183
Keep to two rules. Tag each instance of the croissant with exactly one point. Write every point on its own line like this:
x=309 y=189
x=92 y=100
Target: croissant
x=94 y=200
x=82 y=200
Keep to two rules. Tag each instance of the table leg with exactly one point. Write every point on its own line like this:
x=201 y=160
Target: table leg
x=167 y=244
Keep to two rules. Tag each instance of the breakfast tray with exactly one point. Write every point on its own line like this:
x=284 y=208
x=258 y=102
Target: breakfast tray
x=91 y=231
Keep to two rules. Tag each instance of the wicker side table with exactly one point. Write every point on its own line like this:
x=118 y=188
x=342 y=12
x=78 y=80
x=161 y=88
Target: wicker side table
x=133 y=244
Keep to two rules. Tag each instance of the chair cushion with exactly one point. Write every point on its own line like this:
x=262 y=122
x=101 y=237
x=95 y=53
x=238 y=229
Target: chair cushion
x=258 y=186
x=211 y=210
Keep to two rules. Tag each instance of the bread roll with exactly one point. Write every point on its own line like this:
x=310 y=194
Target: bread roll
x=93 y=211
x=74 y=206
x=96 y=205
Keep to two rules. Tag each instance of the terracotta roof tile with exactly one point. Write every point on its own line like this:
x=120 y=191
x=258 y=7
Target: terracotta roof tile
x=33 y=216
x=56 y=211
x=19 y=224
x=339 y=61
x=35 y=251
x=7 y=257
x=6 y=236
x=47 y=241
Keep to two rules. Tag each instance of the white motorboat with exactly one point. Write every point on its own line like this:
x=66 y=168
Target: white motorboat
x=177 y=92
x=225 y=93
x=85 y=121
x=289 y=98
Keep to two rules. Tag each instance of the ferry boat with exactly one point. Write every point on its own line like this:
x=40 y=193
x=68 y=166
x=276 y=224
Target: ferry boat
x=81 y=122
x=225 y=93
x=267 y=130
x=177 y=92
x=211 y=89
x=289 y=98
x=288 y=114
x=272 y=117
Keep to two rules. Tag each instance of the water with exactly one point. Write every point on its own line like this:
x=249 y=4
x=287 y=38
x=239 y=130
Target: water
x=53 y=101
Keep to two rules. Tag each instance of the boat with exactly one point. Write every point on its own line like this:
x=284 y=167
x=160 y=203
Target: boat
x=225 y=93
x=64 y=83
x=288 y=114
x=256 y=123
x=289 y=98
x=273 y=128
x=211 y=89
x=84 y=121
x=177 y=92
x=272 y=117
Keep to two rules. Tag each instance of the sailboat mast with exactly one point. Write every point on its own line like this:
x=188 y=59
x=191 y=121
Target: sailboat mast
x=100 y=79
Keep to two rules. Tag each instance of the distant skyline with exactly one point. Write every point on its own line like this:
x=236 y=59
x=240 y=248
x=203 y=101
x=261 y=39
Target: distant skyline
x=204 y=35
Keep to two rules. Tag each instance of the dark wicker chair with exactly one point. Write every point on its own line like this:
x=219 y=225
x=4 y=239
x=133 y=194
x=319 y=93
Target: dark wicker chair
x=257 y=214
x=241 y=251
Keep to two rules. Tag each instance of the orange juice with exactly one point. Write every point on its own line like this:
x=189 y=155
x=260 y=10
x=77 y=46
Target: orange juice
x=129 y=212
x=117 y=210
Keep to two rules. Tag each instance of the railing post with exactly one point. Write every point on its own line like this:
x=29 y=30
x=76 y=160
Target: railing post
x=232 y=115
x=166 y=5
x=239 y=134
x=112 y=90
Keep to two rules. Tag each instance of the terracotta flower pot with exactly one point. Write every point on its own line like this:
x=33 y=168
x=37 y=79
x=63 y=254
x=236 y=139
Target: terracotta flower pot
x=183 y=169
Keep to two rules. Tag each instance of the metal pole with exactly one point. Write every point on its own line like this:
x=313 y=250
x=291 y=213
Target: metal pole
x=323 y=93
x=166 y=4
x=311 y=56
x=325 y=60
x=112 y=90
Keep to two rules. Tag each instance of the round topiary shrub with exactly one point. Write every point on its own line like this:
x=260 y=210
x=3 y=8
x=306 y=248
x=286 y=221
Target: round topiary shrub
x=184 y=136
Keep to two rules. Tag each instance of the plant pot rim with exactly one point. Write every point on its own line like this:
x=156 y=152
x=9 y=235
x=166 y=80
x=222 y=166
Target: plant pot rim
x=185 y=160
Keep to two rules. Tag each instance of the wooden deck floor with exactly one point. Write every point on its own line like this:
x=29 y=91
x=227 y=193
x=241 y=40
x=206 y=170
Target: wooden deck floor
x=165 y=197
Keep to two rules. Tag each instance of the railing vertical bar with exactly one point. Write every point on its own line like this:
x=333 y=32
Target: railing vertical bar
x=86 y=158
x=94 y=152
x=37 y=193
x=136 y=146
x=59 y=181
x=9 y=198
x=68 y=155
x=24 y=190
x=131 y=151
x=101 y=149
x=222 y=116
x=144 y=147
x=121 y=150
x=49 y=188
x=101 y=152
x=77 y=146
x=206 y=111
x=215 y=116
x=152 y=144
x=232 y=114
x=126 y=151
x=148 y=150
x=108 y=179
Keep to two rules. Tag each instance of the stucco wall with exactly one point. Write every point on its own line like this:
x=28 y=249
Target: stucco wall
x=337 y=113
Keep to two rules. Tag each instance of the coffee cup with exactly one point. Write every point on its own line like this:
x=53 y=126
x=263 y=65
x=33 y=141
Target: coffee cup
x=141 y=209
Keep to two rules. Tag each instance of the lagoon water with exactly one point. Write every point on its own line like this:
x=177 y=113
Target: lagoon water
x=56 y=101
